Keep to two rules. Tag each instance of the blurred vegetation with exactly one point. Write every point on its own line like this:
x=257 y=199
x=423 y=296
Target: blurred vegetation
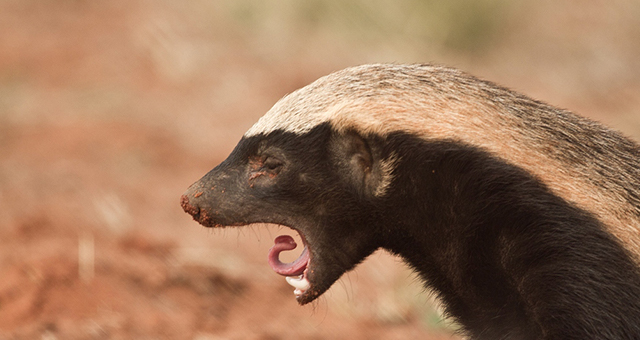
x=462 y=26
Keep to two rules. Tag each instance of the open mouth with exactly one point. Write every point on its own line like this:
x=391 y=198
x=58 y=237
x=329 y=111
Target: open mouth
x=296 y=271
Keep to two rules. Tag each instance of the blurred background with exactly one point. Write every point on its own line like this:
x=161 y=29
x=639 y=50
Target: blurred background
x=109 y=110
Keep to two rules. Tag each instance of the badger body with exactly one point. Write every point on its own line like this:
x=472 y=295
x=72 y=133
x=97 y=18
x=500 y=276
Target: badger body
x=523 y=218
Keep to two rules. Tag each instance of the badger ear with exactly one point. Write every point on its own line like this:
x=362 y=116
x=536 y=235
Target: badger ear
x=356 y=162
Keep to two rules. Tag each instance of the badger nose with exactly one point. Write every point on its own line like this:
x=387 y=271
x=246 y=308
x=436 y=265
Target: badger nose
x=209 y=201
x=192 y=200
x=189 y=208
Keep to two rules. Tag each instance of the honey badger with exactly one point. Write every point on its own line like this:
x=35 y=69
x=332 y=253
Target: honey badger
x=523 y=218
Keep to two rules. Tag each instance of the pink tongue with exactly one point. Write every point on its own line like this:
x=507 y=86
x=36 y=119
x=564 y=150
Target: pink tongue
x=297 y=267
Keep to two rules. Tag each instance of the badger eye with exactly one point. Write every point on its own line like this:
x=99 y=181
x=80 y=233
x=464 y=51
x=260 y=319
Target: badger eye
x=272 y=164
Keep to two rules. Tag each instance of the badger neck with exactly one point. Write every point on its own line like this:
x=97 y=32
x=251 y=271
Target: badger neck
x=499 y=248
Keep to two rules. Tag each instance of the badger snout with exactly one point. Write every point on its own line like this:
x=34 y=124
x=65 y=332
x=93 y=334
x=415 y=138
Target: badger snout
x=204 y=212
x=188 y=207
x=195 y=205
x=220 y=198
x=202 y=202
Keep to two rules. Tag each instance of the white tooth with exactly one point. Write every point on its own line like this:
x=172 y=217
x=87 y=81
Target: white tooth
x=300 y=283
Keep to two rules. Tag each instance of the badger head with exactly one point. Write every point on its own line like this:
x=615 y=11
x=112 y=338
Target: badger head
x=302 y=166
